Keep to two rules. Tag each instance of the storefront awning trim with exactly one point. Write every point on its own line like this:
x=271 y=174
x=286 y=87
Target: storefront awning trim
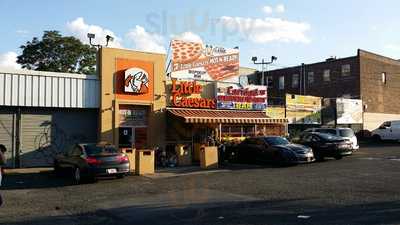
x=223 y=116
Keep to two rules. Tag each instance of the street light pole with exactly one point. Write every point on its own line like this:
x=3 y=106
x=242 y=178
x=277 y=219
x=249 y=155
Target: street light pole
x=263 y=63
x=98 y=46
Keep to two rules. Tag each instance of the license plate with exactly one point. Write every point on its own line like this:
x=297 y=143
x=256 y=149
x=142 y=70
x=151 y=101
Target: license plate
x=111 y=171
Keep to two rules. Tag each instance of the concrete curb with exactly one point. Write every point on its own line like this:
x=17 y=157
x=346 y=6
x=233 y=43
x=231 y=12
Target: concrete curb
x=28 y=170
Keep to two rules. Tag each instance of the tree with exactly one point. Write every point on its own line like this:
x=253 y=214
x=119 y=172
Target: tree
x=58 y=54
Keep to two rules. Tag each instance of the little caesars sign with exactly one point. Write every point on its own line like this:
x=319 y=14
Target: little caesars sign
x=187 y=94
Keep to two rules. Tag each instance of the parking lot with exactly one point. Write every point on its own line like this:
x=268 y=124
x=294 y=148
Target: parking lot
x=359 y=189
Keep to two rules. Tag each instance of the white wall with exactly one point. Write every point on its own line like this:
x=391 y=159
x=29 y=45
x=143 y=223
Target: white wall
x=48 y=89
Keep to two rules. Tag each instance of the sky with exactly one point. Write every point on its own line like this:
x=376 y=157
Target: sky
x=295 y=32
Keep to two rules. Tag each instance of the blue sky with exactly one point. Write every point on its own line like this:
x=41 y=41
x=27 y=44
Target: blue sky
x=294 y=31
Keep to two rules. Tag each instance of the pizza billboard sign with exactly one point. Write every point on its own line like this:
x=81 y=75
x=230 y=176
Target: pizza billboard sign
x=191 y=60
x=234 y=96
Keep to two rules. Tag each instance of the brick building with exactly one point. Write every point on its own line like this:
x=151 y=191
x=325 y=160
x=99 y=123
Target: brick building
x=371 y=77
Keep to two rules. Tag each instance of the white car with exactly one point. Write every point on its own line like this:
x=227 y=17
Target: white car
x=389 y=130
x=346 y=133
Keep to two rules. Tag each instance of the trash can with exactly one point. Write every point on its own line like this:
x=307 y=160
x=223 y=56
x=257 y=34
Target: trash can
x=209 y=157
x=184 y=154
x=130 y=152
x=144 y=161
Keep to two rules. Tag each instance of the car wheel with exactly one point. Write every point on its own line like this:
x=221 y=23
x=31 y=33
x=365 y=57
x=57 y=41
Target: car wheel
x=377 y=138
x=338 y=157
x=77 y=175
x=319 y=158
x=120 y=176
x=279 y=160
x=57 y=169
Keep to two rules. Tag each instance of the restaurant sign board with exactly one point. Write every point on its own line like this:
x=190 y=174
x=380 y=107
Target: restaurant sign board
x=187 y=94
x=191 y=60
x=235 y=96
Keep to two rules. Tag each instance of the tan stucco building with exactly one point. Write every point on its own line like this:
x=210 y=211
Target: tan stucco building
x=136 y=114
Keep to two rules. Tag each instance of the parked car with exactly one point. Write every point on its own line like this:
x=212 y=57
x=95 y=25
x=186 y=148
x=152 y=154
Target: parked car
x=273 y=149
x=389 y=130
x=345 y=133
x=88 y=161
x=326 y=145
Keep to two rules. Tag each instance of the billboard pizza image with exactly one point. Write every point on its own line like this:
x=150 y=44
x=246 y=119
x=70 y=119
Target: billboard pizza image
x=136 y=81
x=192 y=60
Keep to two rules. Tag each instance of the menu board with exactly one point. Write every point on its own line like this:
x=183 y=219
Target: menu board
x=235 y=96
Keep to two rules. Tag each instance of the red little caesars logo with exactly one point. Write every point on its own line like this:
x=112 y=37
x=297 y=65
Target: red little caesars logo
x=188 y=88
x=136 y=81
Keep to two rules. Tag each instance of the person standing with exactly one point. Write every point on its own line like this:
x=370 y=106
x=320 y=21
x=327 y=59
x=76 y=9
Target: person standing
x=2 y=163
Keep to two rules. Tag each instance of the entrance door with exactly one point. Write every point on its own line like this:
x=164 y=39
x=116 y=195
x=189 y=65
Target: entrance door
x=126 y=137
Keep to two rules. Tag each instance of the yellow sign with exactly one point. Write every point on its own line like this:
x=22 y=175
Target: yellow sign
x=276 y=112
x=302 y=109
x=243 y=105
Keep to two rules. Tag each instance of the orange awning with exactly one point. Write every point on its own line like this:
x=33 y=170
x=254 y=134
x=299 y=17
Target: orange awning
x=223 y=116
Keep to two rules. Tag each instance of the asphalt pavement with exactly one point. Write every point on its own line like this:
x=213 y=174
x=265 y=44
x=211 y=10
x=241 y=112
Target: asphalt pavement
x=360 y=189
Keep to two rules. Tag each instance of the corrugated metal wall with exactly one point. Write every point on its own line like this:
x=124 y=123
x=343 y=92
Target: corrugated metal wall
x=48 y=89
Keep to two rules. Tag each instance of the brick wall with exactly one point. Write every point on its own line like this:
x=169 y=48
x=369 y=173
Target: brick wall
x=338 y=85
x=378 y=96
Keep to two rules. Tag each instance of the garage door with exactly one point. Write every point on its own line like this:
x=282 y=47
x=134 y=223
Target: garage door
x=7 y=134
x=46 y=133
x=36 y=147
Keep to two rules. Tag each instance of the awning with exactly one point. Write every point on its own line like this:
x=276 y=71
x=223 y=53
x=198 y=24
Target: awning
x=223 y=116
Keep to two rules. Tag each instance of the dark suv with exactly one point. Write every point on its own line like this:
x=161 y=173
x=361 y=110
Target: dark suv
x=326 y=145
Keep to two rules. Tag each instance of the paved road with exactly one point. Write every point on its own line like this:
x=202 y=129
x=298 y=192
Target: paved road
x=360 y=189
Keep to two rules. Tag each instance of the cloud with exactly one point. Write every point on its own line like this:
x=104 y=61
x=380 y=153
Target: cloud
x=145 y=41
x=189 y=37
x=266 y=30
x=22 y=32
x=267 y=9
x=79 y=29
x=280 y=8
x=8 y=60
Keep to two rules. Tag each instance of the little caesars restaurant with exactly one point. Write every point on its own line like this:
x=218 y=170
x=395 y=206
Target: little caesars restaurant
x=139 y=99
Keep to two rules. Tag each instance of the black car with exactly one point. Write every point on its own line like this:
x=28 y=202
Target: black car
x=88 y=161
x=273 y=149
x=326 y=145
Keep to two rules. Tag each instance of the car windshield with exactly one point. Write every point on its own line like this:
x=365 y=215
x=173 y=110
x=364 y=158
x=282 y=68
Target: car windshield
x=98 y=149
x=276 y=141
x=329 y=137
x=346 y=133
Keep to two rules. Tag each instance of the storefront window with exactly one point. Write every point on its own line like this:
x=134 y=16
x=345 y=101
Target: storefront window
x=248 y=131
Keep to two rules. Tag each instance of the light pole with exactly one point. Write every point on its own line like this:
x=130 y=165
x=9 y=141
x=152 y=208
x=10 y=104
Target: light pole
x=92 y=36
x=263 y=62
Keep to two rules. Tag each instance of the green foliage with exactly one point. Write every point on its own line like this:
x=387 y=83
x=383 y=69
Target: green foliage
x=58 y=54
